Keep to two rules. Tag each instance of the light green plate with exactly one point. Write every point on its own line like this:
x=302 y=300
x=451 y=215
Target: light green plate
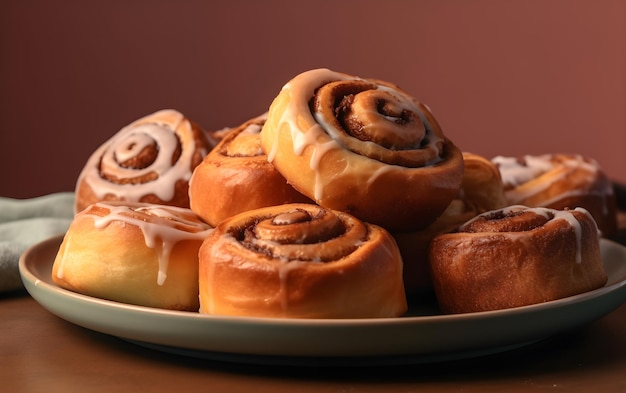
x=426 y=336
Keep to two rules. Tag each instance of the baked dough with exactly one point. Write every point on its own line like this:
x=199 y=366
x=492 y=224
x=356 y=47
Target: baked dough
x=560 y=181
x=150 y=160
x=481 y=191
x=362 y=146
x=516 y=256
x=236 y=176
x=300 y=261
x=134 y=253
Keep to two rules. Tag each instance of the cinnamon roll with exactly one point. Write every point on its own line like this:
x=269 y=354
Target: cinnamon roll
x=362 y=146
x=236 y=176
x=151 y=160
x=300 y=261
x=481 y=191
x=136 y=253
x=516 y=256
x=560 y=181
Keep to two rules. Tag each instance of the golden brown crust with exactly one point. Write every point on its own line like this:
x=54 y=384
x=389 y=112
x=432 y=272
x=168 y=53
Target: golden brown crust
x=150 y=160
x=236 y=177
x=481 y=191
x=133 y=253
x=514 y=257
x=300 y=261
x=382 y=157
x=560 y=181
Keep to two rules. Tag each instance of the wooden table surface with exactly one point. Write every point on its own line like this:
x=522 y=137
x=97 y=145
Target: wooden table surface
x=39 y=352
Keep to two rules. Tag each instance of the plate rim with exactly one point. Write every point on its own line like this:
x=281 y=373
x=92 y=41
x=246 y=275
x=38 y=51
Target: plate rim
x=38 y=288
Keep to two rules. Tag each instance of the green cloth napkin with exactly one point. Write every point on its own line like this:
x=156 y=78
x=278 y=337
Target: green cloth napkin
x=25 y=222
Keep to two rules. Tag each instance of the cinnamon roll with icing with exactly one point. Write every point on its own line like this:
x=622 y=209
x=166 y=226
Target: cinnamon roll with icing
x=236 y=176
x=516 y=256
x=362 y=146
x=136 y=253
x=560 y=181
x=150 y=160
x=300 y=261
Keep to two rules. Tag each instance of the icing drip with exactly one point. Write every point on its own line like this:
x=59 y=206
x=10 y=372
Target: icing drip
x=385 y=126
x=556 y=180
x=293 y=239
x=517 y=173
x=129 y=142
x=284 y=269
x=545 y=213
x=296 y=238
x=162 y=227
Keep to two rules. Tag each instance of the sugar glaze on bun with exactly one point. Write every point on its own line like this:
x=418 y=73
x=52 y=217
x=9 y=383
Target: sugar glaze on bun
x=136 y=253
x=516 y=256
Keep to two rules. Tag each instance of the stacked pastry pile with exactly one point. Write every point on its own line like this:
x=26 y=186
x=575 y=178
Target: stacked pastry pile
x=342 y=199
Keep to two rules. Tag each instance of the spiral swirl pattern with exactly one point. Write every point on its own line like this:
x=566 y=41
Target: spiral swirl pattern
x=362 y=146
x=300 y=260
x=307 y=235
x=516 y=256
x=378 y=120
x=150 y=160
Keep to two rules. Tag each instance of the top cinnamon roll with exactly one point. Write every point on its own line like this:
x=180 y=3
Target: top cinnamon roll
x=362 y=146
x=150 y=160
x=560 y=181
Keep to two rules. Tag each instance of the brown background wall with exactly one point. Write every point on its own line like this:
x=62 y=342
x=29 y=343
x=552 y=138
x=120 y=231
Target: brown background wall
x=502 y=77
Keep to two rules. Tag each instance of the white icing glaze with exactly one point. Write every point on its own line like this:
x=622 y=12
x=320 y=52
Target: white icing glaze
x=519 y=176
x=515 y=174
x=282 y=264
x=162 y=227
x=550 y=214
x=131 y=140
x=283 y=269
x=301 y=89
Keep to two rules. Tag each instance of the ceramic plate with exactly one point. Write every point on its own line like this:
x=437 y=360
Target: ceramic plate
x=424 y=336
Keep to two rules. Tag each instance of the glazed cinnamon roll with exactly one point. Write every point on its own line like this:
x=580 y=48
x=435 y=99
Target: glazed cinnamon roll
x=300 y=261
x=151 y=160
x=236 y=176
x=136 y=253
x=364 y=147
x=514 y=257
x=560 y=181
x=481 y=191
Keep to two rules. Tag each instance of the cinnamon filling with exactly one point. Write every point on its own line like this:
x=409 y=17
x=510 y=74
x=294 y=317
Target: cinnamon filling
x=508 y=221
x=144 y=158
x=377 y=121
x=316 y=234
x=136 y=154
